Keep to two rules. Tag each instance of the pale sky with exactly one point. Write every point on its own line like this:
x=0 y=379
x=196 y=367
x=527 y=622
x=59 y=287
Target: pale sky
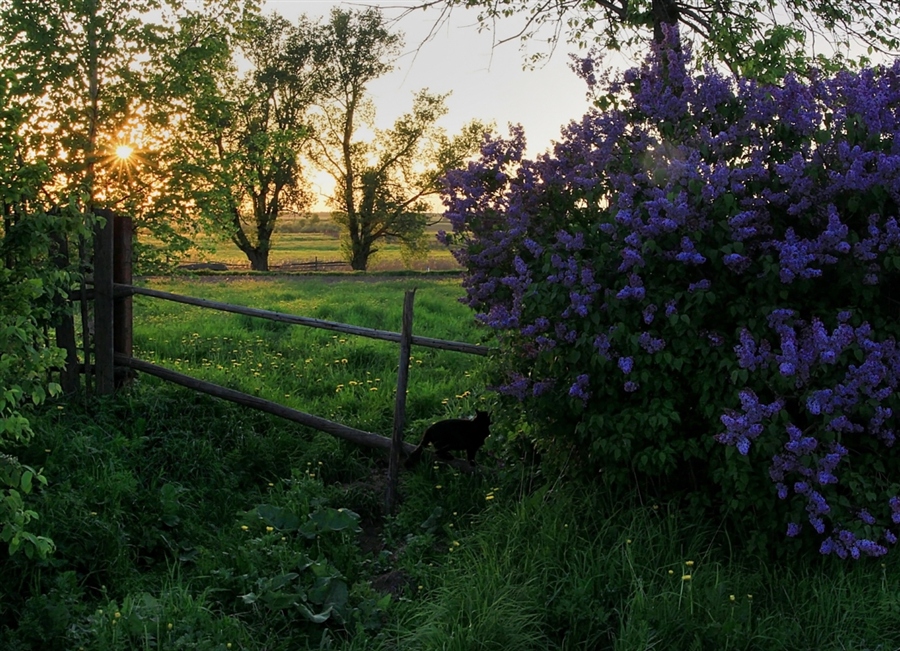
x=487 y=82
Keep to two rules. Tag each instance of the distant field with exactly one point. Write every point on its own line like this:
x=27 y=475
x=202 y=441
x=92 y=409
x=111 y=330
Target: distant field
x=316 y=238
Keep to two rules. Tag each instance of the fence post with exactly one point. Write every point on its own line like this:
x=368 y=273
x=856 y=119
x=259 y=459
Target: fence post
x=104 y=354
x=123 y=313
x=400 y=402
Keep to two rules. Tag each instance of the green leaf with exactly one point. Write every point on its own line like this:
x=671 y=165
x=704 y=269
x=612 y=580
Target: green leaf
x=278 y=517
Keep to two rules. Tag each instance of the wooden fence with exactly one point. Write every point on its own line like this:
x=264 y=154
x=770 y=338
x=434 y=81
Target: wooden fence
x=113 y=345
x=310 y=265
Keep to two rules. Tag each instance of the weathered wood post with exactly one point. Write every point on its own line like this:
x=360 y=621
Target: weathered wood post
x=123 y=313
x=104 y=351
x=390 y=500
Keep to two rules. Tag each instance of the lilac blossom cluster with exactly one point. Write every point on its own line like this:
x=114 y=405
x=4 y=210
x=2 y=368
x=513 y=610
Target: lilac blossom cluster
x=649 y=257
x=813 y=361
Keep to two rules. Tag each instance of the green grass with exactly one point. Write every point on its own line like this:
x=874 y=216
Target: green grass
x=347 y=378
x=183 y=522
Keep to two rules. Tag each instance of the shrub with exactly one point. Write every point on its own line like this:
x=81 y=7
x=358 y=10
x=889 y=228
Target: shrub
x=703 y=261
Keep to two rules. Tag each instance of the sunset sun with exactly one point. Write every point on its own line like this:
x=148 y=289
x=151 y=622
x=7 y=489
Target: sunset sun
x=124 y=152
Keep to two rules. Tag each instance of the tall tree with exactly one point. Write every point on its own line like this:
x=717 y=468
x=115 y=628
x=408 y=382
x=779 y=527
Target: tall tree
x=757 y=38
x=381 y=185
x=236 y=135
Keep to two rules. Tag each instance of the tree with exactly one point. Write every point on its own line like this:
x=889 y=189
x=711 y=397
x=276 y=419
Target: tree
x=756 y=38
x=382 y=185
x=236 y=136
x=71 y=85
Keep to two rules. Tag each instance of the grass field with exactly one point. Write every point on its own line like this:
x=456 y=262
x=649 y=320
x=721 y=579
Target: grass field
x=183 y=522
x=297 y=240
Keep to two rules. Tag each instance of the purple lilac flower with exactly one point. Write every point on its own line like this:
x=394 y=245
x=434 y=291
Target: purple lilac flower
x=580 y=388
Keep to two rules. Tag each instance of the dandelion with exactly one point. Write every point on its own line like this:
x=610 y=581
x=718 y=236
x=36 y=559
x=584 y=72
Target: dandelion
x=750 y=597
x=373 y=389
x=671 y=572
x=685 y=577
x=244 y=527
x=270 y=529
x=689 y=563
x=117 y=614
x=489 y=497
x=731 y=597
x=169 y=626
x=456 y=543
x=627 y=542
x=438 y=486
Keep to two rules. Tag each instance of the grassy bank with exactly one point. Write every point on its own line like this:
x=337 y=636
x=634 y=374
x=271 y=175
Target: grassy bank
x=183 y=522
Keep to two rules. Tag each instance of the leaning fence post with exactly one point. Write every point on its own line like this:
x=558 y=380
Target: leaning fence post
x=123 y=313
x=400 y=402
x=104 y=354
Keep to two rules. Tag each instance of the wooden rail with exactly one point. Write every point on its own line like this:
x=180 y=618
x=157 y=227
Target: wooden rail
x=372 y=333
x=351 y=434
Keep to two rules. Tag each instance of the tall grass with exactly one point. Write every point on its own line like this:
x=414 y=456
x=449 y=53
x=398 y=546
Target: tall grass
x=565 y=569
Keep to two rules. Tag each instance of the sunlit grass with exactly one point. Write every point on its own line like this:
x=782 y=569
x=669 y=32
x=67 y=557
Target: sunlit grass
x=347 y=378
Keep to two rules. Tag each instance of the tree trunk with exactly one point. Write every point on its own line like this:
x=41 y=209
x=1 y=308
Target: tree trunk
x=359 y=257
x=258 y=257
x=665 y=12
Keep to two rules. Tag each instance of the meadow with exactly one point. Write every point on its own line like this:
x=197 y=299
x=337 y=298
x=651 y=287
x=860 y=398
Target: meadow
x=183 y=522
x=316 y=237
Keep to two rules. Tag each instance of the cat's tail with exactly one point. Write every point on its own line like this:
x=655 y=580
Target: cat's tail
x=414 y=457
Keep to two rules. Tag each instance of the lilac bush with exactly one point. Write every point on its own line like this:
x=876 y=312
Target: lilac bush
x=694 y=290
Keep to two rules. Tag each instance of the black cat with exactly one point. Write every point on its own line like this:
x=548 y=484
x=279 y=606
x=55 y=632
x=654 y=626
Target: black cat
x=454 y=434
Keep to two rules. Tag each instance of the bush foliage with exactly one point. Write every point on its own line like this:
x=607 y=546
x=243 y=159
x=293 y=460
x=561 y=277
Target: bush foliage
x=702 y=261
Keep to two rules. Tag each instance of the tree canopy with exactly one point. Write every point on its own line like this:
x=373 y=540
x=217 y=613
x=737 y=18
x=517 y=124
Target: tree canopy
x=233 y=153
x=756 y=38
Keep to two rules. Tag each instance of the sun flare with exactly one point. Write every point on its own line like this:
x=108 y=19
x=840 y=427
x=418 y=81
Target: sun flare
x=124 y=152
